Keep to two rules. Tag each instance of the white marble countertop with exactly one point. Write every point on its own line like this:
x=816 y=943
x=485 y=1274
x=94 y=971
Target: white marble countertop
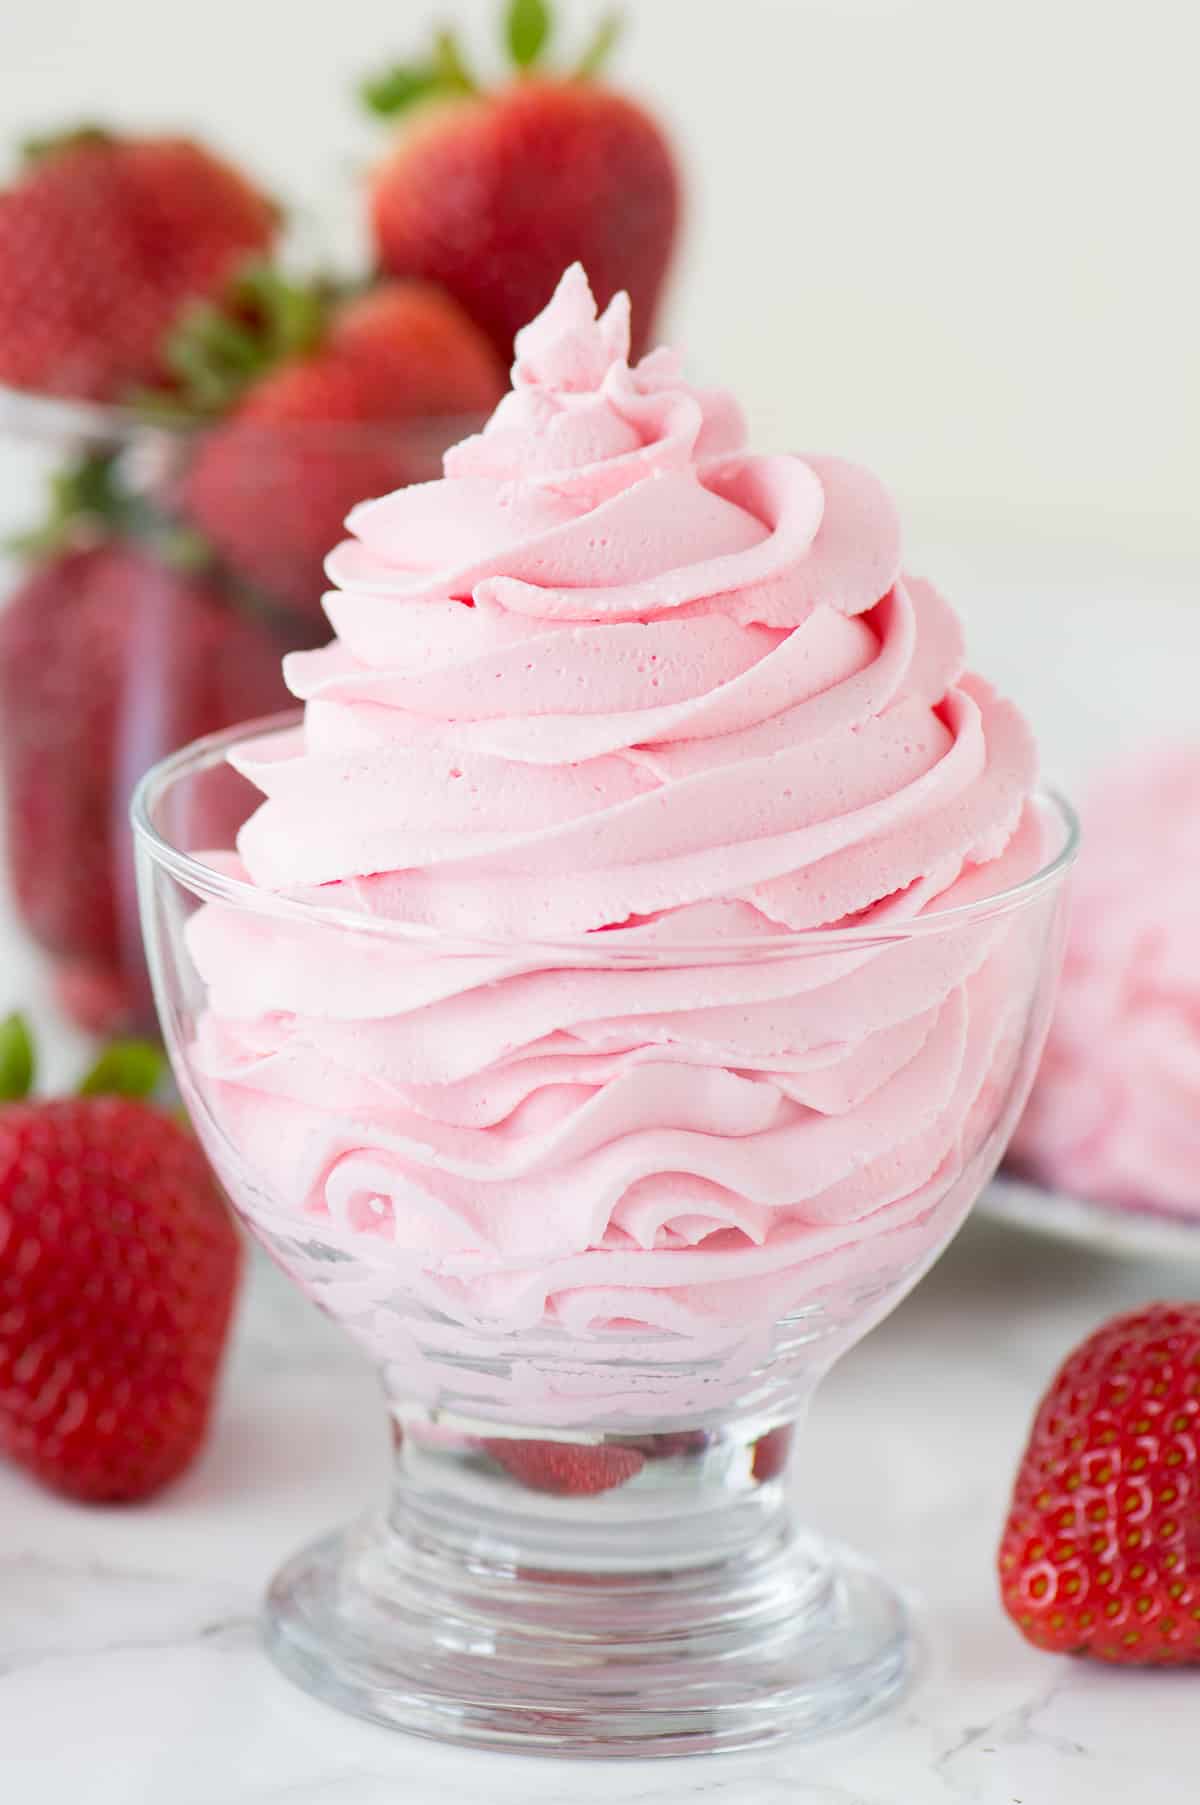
x=130 y=1672
x=129 y=1667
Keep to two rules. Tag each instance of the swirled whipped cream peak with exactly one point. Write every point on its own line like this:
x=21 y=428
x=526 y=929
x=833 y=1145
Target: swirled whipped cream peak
x=614 y=666
x=617 y=672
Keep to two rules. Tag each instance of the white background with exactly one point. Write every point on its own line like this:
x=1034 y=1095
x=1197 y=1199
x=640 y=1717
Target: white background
x=957 y=239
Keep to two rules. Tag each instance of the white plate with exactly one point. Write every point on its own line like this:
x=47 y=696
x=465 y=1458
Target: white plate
x=1134 y=1234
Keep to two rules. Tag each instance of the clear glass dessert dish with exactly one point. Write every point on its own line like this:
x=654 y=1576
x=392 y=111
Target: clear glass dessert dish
x=603 y=1212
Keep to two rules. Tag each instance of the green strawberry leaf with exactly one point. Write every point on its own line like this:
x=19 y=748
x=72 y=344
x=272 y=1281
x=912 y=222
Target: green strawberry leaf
x=16 y=1059
x=49 y=144
x=127 y=1068
x=404 y=85
x=601 y=47
x=90 y=486
x=84 y=493
x=453 y=75
x=289 y=317
x=527 y=28
x=89 y=503
x=212 y=357
x=218 y=349
x=400 y=87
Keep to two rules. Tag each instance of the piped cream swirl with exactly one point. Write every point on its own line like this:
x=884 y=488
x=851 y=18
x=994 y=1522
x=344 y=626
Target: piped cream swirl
x=616 y=673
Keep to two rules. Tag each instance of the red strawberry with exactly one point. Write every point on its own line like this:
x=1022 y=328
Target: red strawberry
x=1101 y=1551
x=118 y=1269
x=568 y=1469
x=771 y=1452
x=109 y=659
x=102 y=240
x=493 y=194
x=369 y=402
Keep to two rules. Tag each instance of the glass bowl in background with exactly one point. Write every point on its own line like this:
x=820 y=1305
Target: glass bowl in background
x=160 y=612
x=602 y=1213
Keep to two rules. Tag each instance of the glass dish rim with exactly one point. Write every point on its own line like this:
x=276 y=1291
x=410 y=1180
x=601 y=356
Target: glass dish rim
x=215 y=886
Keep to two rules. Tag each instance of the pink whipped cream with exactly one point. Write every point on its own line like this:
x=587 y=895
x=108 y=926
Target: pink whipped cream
x=1115 y=1114
x=617 y=673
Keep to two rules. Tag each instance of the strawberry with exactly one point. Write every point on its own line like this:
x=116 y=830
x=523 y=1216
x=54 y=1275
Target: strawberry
x=771 y=1453
x=102 y=240
x=109 y=658
x=118 y=1270
x=568 y=1469
x=494 y=193
x=341 y=402
x=1101 y=1551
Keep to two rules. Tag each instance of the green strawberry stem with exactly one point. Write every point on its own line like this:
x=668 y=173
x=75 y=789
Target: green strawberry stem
x=126 y=1068
x=16 y=1059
